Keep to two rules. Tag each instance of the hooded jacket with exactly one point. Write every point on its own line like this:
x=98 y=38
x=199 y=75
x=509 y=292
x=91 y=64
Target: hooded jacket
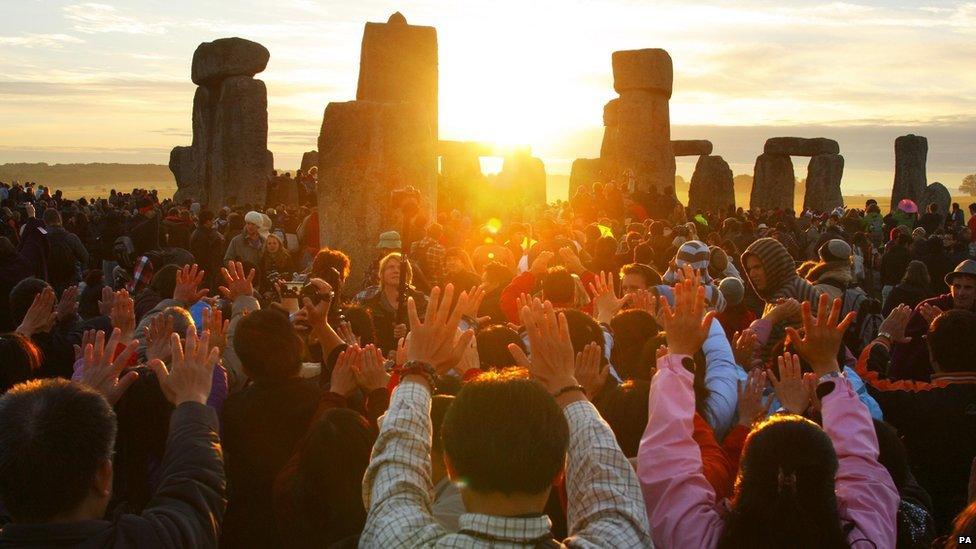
x=782 y=282
x=832 y=277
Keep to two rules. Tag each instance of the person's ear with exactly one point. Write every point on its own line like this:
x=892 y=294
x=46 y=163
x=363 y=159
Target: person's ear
x=102 y=485
x=560 y=477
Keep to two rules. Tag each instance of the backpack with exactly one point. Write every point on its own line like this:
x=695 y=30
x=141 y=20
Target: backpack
x=61 y=264
x=867 y=322
x=124 y=251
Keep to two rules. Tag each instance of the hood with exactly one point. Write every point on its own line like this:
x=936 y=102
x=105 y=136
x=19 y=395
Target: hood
x=776 y=261
x=836 y=272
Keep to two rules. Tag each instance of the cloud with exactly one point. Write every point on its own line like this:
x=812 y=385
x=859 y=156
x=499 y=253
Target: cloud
x=92 y=18
x=32 y=40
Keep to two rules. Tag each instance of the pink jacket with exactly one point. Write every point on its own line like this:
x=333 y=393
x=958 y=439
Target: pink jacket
x=681 y=504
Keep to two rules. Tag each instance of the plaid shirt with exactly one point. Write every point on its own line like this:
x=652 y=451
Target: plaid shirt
x=606 y=508
x=432 y=261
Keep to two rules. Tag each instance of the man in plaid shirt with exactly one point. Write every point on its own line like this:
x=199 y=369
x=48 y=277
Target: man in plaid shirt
x=429 y=253
x=506 y=442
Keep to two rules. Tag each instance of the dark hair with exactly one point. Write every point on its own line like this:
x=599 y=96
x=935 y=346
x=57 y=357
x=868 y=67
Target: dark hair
x=164 y=281
x=952 y=340
x=917 y=274
x=498 y=274
x=891 y=453
x=558 y=286
x=328 y=258
x=583 y=329
x=649 y=274
x=52 y=217
x=784 y=495
x=22 y=296
x=439 y=405
x=268 y=346
x=624 y=407
x=634 y=343
x=205 y=216
x=493 y=344
x=360 y=319
x=21 y=358
x=327 y=490
x=505 y=434
x=54 y=437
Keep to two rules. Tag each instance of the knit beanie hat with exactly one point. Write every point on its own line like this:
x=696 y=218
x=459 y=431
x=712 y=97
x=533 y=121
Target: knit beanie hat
x=835 y=250
x=254 y=217
x=733 y=289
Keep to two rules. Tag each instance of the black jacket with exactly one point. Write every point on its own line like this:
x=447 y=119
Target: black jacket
x=186 y=510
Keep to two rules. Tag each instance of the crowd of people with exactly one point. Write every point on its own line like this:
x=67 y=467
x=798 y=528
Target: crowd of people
x=613 y=370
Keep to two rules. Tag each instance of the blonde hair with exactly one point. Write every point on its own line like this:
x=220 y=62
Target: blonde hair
x=399 y=257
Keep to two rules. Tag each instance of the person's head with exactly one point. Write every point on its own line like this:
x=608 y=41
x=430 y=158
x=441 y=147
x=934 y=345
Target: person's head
x=360 y=320
x=952 y=341
x=917 y=274
x=505 y=438
x=439 y=405
x=558 y=286
x=327 y=491
x=56 y=444
x=456 y=260
x=21 y=359
x=638 y=276
x=785 y=488
x=269 y=347
x=496 y=275
x=634 y=343
x=164 y=281
x=962 y=285
x=972 y=208
x=583 y=330
x=253 y=221
x=493 y=342
x=22 y=296
x=205 y=219
x=325 y=261
x=435 y=230
x=624 y=408
x=955 y=206
x=768 y=266
x=389 y=269
x=52 y=217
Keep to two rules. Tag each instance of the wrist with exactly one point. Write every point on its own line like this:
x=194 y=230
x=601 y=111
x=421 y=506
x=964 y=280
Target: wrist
x=419 y=379
x=199 y=399
x=825 y=368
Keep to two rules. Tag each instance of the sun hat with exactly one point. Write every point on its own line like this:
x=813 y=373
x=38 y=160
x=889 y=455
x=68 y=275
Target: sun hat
x=389 y=240
x=907 y=206
x=966 y=268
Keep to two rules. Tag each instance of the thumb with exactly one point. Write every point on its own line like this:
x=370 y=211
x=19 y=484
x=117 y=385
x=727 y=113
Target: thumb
x=158 y=368
x=519 y=355
x=126 y=381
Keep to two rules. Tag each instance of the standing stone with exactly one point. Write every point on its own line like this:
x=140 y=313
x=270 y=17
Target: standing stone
x=526 y=175
x=366 y=150
x=824 y=175
x=773 y=182
x=637 y=143
x=585 y=171
x=204 y=113
x=691 y=147
x=460 y=176
x=711 y=186
x=937 y=194
x=398 y=62
x=241 y=162
x=910 y=180
x=184 y=170
x=309 y=160
x=214 y=61
x=801 y=146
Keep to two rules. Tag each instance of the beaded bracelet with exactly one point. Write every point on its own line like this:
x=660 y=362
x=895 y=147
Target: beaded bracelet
x=568 y=389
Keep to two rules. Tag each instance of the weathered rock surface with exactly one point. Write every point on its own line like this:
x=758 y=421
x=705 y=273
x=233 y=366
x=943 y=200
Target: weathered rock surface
x=241 y=163
x=525 y=174
x=460 y=176
x=645 y=70
x=911 y=152
x=639 y=145
x=610 y=117
x=711 y=187
x=309 y=160
x=773 y=182
x=691 y=147
x=181 y=163
x=801 y=146
x=937 y=194
x=824 y=176
x=585 y=171
x=398 y=62
x=224 y=57
x=366 y=150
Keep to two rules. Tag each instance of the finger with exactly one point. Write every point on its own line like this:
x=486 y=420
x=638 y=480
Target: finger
x=707 y=321
x=822 y=304
x=781 y=370
x=159 y=369
x=794 y=337
x=432 y=305
x=126 y=381
x=807 y=318
x=412 y=314
x=834 y=312
x=176 y=349
x=122 y=360
x=99 y=347
x=444 y=312
x=519 y=355
x=848 y=320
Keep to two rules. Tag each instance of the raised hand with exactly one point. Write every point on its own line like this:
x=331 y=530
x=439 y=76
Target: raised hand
x=318 y=308
x=541 y=263
x=553 y=361
x=475 y=296
x=237 y=283
x=605 y=298
x=403 y=347
x=687 y=325
x=929 y=312
x=821 y=335
x=213 y=322
x=190 y=376
x=343 y=381
x=433 y=341
x=123 y=314
x=68 y=304
x=87 y=338
x=41 y=316
x=896 y=322
x=792 y=391
x=346 y=334
x=571 y=260
x=369 y=372
x=743 y=346
x=158 y=334
x=105 y=304
x=644 y=300
x=786 y=310
x=101 y=372
x=750 y=403
x=590 y=372
x=188 y=280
